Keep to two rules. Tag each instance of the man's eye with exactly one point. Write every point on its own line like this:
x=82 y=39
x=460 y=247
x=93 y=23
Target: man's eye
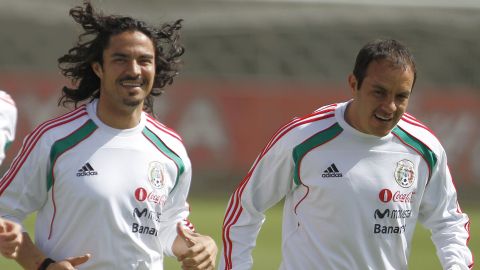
x=146 y=61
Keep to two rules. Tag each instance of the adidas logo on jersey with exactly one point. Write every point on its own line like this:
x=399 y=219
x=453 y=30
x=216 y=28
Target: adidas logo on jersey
x=332 y=171
x=86 y=170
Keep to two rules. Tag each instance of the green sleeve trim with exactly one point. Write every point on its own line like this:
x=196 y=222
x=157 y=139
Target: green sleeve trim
x=316 y=140
x=427 y=154
x=7 y=145
x=167 y=151
x=66 y=143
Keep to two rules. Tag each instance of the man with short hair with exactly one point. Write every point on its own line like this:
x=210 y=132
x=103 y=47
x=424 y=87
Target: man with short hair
x=356 y=177
x=108 y=180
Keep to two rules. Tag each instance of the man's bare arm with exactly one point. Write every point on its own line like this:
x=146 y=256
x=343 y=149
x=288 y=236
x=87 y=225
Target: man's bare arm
x=30 y=257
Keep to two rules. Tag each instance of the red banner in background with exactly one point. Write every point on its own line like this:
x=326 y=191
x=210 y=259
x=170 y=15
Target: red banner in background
x=225 y=125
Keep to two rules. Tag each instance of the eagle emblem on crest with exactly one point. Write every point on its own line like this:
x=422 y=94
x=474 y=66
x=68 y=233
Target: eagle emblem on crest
x=404 y=173
x=156 y=174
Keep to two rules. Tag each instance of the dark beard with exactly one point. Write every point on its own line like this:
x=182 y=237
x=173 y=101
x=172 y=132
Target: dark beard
x=132 y=103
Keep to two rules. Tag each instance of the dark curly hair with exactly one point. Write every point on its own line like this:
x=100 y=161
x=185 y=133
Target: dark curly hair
x=389 y=49
x=98 y=28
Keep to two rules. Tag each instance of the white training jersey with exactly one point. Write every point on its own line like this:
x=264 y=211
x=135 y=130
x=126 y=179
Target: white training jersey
x=8 y=122
x=116 y=194
x=351 y=199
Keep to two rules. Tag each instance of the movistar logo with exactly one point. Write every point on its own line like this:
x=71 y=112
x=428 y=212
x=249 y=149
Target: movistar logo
x=379 y=214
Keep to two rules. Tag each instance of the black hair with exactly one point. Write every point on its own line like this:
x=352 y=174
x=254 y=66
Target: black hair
x=389 y=49
x=98 y=29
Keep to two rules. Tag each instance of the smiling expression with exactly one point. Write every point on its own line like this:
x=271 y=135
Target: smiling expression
x=127 y=72
x=382 y=99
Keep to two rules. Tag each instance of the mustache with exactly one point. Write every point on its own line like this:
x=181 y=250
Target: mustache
x=131 y=78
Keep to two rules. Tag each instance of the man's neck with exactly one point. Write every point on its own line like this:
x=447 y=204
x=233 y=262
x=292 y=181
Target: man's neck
x=119 y=118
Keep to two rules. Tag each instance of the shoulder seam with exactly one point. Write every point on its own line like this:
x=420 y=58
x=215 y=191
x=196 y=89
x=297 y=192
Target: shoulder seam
x=408 y=118
x=313 y=117
x=163 y=128
x=31 y=141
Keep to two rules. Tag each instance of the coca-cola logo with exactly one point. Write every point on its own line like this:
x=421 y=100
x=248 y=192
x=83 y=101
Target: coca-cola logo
x=387 y=195
x=141 y=195
x=157 y=198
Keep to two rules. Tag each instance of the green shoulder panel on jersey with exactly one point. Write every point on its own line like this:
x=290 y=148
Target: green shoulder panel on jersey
x=427 y=154
x=316 y=140
x=62 y=145
x=7 y=145
x=169 y=153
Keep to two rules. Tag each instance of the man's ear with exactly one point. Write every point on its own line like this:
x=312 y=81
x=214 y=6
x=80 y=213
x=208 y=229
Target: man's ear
x=352 y=82
x=97 y=68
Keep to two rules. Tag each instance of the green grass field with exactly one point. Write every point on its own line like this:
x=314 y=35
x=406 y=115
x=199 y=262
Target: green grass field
x=207 y=215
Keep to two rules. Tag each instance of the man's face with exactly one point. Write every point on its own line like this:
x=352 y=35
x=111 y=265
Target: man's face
x=382 y=98
x=128 y=70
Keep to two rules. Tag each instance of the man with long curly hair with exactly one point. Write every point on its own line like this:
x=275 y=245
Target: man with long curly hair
x=109 y=182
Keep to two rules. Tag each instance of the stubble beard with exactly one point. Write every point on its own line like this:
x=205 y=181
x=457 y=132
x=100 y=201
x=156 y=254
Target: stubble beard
x=132 y=103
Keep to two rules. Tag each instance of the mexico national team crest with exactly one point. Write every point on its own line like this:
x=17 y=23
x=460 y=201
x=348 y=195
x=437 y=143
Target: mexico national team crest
x=404 y=173
x=157 y=174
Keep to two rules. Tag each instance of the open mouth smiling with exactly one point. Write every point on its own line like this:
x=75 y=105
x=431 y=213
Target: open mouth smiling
x=132 y=83
x=383 y=118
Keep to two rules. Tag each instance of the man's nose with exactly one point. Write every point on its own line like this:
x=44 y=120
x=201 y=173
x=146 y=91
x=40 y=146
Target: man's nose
x=389 y=105
x=133 y=68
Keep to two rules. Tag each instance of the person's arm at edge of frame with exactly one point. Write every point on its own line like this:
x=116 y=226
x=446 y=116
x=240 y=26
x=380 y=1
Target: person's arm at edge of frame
x=10 y=238
x=9 y=113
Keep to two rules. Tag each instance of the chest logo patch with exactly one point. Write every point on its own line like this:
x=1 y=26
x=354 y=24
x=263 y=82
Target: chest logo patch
x=86 y=170
x=157 y=174
x=404 y=173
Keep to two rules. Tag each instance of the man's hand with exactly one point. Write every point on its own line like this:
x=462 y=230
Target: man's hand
x=10 y=238
x=199 y=251
x=69 y=263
